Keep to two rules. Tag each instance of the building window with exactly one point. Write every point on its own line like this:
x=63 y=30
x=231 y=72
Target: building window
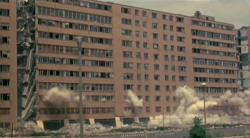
x=128 y=65
x=180 y=19
x=166 y=78
x=157 y=77
x=171 y=38
x=165 y=27
x=137 y=34
x=157 y=98
x=93 y=28
x=4 y=54
x=155 y=36
x=180 y=39
x=156 y=46
x=4 y=68
x=126 y=10
x=7 y=1
x=4 y=27
x=137 y=44
x=167 y=88
x=4 y=40
x=4 y=82
x=164 y=17
x=154 y=15
x=181 y=58
x=128 y=76
x=145 y=45
x=74 y=15
x=84 y=4
x=183 y=78
x=144 y=13
x=165 y=37
x=102 y=41
x=157 y=67
x=126 y=21
x=4 y=12
x=156 y=57
x=137 y=12
x=181 y=49
x=171 y=28
x=182 y=69
x=137 y=23
x=173 y=78
x=157 y=87
x=166 y=47
x=180 y=29
x=4 y=97
x=154 y=25
x=126 y=32
x=171 y=18
x=127 y=54
x=126 y=43
x=128 y=87
x=145 y=34
x=172 y=48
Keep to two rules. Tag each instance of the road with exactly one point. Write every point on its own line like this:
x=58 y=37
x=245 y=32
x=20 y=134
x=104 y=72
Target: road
x=215 y=132
x=218 y=132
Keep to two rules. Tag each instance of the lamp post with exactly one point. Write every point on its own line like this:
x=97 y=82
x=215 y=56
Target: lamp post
x=79 y=45
x=204 y=103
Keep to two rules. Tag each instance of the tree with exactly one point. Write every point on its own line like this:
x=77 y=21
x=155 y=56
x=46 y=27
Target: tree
x=197 y=131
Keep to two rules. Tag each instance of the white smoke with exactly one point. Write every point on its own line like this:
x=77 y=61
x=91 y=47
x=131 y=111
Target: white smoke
x=191 y=106
x=32 y=127
x=134 y=100
x=59 y=97
x=73 y=130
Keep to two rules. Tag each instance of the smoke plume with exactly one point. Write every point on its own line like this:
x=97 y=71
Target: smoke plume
x=191 y=106
x=32 y=127
x=59 y=97
x=134 y=100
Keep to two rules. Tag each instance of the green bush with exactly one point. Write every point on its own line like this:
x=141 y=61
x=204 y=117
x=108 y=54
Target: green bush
x=197 y=130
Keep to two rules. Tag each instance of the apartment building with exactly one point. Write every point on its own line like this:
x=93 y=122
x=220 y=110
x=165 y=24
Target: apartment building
x=127 y=48
x=244 y=53
x=8 y=65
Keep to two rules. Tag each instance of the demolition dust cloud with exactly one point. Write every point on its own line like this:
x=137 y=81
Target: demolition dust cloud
x=191 y=106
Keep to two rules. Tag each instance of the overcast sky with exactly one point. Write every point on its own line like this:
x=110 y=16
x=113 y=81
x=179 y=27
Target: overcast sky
x=232 y=11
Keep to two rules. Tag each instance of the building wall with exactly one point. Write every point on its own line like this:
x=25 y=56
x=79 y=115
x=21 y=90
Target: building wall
x=8 y=64
x=244 y=43
x=217 y=57
x=150 y=52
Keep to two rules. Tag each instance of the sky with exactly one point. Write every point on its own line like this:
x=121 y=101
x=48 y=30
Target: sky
x=236 y=12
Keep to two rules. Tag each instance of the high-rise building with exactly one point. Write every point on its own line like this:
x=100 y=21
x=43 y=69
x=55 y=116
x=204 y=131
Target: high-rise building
x=244 y=52
x=8 y=64
x=124 y=47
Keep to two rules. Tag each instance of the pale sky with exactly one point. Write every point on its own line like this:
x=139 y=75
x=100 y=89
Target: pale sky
x=236 y=12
